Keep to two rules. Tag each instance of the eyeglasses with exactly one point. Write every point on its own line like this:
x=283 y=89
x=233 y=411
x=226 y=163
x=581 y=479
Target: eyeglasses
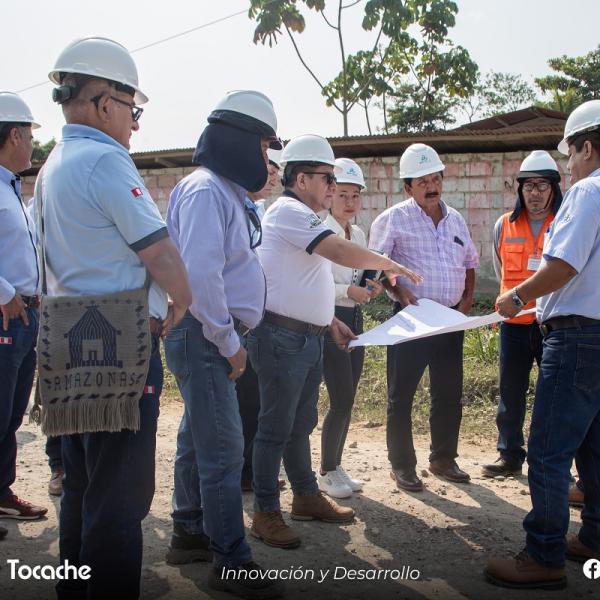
x=329 y=177
x=543 y=186
x=136 y=111
x=254 y=227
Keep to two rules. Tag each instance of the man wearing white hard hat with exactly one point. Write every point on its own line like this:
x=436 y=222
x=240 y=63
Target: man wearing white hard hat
x=518 y=241
x=565 y=424
x=19 y=299
x=432 y=238
x=286 y=349
x=247 y=385
x=106 y=255
x=217 y=234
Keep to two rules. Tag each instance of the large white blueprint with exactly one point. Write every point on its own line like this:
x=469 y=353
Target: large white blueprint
x=426 y=319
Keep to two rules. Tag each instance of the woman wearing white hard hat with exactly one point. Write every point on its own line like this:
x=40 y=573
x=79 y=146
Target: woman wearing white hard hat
x=342 y=370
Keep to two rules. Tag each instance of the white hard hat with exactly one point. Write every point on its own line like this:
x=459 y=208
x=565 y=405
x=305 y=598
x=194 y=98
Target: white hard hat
x=250 y=103
x=350 y=172
x=274 y=156
x=309 y=148
x=538 y=164
x=585 y=117
x=14 y=110
x=419 y=160
x=102 y=58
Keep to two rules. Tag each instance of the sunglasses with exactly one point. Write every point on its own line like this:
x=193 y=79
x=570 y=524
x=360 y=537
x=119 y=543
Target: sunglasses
x=541 y=187
x=330 y=178
x=136 y=111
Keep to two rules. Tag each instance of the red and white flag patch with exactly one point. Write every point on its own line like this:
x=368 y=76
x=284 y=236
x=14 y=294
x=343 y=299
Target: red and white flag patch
x=7 y=341
x=149 y=389
x=137 y=192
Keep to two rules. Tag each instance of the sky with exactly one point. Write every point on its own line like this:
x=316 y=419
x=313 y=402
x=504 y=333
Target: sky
x=185 y=77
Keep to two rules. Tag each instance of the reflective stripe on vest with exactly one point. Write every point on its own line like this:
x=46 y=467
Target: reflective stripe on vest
x=517 y=244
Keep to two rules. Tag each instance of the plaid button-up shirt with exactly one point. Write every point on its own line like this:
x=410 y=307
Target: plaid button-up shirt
x=442 y=255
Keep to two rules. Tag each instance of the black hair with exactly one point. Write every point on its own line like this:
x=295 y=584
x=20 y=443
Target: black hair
x=6 y=128
x=408 y=180
x=290 y=173
x=578 y=140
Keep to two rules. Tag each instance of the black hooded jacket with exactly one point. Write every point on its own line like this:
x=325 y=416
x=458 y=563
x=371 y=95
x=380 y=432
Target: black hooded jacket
x=230 y=146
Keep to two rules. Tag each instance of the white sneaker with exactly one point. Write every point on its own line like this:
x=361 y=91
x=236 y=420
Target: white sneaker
x=356 y=485
x=334 y=485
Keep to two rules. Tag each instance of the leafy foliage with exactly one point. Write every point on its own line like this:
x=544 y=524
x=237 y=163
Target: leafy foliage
x=41 y=151
x=411 y=41
x=577 y=81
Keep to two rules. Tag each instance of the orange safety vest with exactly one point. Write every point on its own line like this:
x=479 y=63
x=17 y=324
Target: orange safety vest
x=517 y=245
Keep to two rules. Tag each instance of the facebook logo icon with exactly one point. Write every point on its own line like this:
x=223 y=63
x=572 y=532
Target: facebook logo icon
x=591 y=569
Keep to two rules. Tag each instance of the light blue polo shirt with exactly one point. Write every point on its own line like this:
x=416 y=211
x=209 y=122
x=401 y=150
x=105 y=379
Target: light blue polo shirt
x=97 y=216
x=574 y=237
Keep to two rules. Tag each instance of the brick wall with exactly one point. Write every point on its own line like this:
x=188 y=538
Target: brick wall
x=480 y=186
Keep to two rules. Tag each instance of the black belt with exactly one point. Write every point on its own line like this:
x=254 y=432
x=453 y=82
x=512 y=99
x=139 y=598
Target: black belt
x=31 y=301
x=567 y=322
x=242 y=329
x=294 y=324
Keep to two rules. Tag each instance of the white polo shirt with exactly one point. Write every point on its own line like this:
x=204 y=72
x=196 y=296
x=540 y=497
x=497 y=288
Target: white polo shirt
x=299 y=283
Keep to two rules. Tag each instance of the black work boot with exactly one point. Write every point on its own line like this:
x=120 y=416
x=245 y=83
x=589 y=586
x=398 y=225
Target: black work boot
x=501 y=467
x=188 y=547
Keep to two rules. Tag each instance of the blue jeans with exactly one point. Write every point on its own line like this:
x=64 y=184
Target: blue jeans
x=520 y=345
x=289 y=367
x=107 y=492
x=54 y=452
x=565 y=424
x=210 y=444
x=17 y=368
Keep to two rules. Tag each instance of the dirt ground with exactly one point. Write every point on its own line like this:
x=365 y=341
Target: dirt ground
x=445 y=533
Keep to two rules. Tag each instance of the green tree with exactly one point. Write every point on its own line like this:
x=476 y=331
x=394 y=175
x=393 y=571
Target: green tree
x=373 y=72
x=41 y=151
x=496 y=93
x=577 y=80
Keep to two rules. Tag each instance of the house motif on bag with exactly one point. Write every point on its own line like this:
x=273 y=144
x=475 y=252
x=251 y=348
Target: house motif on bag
x=93 y=341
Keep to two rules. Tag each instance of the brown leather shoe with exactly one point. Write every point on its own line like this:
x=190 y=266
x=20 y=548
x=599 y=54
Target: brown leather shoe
x=448 y=469
x=273 y=531
x=576 y=496
x=320 y=508
x=55 y=486
x=501 y=467
x=579 y=552
x=522 y=572
x=406 y=480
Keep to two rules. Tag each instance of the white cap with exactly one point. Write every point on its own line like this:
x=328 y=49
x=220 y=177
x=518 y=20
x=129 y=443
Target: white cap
x=250 y=103
x=309 y=148
x=419 y=160
x=274 y=156
x=14 y=110
x=99 y=57
x=586 y=117
x=538 y=164
x=350 y=172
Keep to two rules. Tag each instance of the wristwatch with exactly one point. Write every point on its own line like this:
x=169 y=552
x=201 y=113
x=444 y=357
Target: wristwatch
x=516 y=299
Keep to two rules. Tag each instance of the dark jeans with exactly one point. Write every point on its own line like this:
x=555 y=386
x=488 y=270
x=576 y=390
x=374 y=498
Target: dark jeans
x=207 y=495
x=406 y=363
x=565 y=424
x=289 y=368
x=520 y=345
x=341 y=372
x=54 y=452
x=17 y=368
x=107 y=492
x=248 y=397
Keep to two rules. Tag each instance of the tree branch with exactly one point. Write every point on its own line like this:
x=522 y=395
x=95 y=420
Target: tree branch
x=328 y=22
x=300 y=57
x=351 y=4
